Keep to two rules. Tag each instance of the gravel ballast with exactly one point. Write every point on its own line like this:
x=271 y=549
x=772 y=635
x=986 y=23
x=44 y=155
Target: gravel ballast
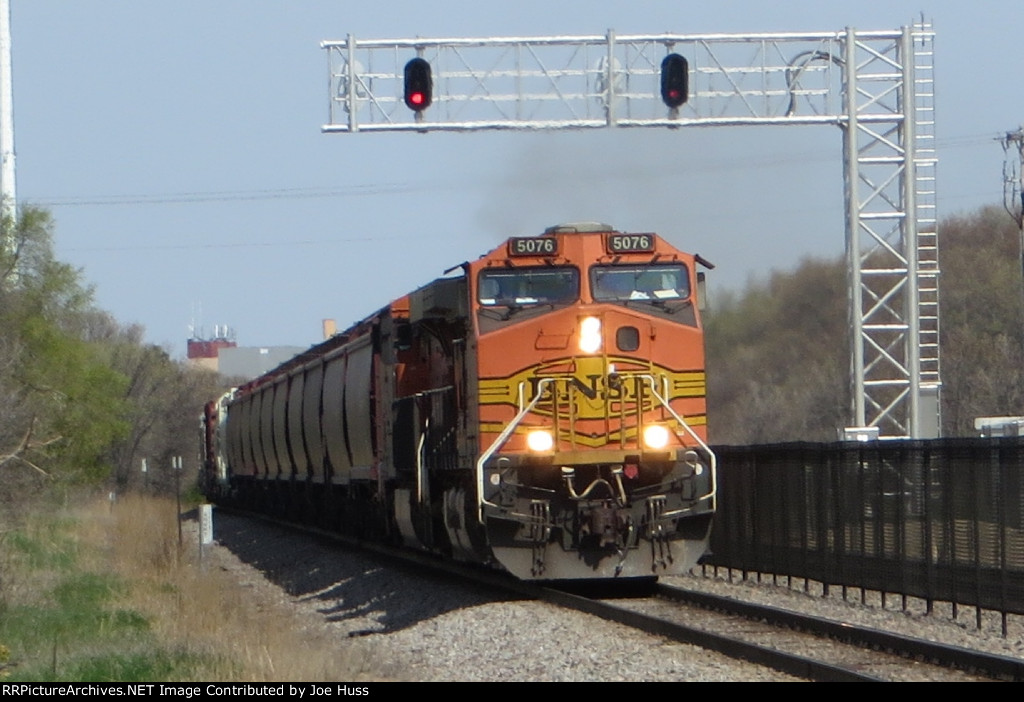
x=403 y=625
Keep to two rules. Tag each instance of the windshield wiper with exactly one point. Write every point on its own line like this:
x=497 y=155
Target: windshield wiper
x=511 y=309
x=661 y=304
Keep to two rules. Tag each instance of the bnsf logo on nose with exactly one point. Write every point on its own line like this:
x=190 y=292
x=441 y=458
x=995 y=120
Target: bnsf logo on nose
x=591 y=396
x=593 y=387
x=591 y=390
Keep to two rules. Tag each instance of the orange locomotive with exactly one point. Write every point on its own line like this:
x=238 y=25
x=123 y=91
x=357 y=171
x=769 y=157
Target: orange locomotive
x=543 y=411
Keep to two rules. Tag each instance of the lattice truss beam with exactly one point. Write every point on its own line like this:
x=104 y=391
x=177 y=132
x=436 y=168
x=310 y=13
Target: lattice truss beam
x=875 y=86
x=586 y=81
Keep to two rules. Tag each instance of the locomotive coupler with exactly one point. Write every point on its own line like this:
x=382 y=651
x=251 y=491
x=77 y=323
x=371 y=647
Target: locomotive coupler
x=602 y=522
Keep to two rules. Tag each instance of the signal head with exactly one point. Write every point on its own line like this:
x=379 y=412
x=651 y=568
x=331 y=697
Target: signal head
x=675 y=80
x=419 y=84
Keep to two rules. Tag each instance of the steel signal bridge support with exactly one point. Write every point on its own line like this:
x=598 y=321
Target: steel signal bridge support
x=877 y=87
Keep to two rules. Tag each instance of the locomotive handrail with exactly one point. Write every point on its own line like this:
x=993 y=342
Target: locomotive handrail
x=421 y=472
x=502 y=438
x=712 y=459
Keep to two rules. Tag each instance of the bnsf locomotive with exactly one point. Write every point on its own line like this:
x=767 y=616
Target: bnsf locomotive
x=542 y=411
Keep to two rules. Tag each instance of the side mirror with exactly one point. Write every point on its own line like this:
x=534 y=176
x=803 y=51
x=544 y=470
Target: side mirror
x=702 y=292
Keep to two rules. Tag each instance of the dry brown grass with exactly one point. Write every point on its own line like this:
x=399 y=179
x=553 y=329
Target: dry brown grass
x=200 y=609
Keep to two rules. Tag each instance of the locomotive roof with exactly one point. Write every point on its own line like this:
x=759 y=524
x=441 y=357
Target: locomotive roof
x=579 y=228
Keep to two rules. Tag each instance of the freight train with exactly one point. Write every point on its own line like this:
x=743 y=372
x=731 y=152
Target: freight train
x=540 y=410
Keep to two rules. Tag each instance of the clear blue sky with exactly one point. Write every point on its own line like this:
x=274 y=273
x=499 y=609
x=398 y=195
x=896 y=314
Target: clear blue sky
x=178 y=146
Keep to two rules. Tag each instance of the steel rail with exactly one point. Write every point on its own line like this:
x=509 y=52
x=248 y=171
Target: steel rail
x=1002 y=667
x=781 y=661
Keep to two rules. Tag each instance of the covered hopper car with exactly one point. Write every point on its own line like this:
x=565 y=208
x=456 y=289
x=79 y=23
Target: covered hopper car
x=541 y=411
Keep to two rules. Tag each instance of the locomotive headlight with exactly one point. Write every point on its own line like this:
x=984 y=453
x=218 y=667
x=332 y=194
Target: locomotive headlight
x=540 y=440
x=590 y=335
x=656 y=436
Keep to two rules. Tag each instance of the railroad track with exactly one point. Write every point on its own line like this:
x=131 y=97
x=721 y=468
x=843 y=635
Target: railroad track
x=812 y=648
x=915 y=649
x=804 y=646
x=801 y=646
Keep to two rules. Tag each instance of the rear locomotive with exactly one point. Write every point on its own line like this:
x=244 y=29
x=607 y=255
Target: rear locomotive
x=542 y=411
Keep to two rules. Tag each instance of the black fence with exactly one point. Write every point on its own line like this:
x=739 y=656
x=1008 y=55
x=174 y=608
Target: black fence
x=941 y=520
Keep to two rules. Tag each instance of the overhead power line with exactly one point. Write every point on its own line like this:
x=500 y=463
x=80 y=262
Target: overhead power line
x=319 y=192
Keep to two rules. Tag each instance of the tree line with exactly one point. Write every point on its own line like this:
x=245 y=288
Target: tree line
x=778 y=352
x=83 y=398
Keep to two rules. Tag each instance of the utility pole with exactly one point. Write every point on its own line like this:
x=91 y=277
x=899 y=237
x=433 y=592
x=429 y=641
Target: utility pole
x=1013 y=176
x=1013 y=184
x=8 y=197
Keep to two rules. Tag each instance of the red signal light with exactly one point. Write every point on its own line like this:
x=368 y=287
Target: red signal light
x=418 y=84
x=675 y=79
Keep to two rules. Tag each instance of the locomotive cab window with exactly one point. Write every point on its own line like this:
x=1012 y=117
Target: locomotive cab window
x=521 y=287
x=643 y=282
x=661 y=290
